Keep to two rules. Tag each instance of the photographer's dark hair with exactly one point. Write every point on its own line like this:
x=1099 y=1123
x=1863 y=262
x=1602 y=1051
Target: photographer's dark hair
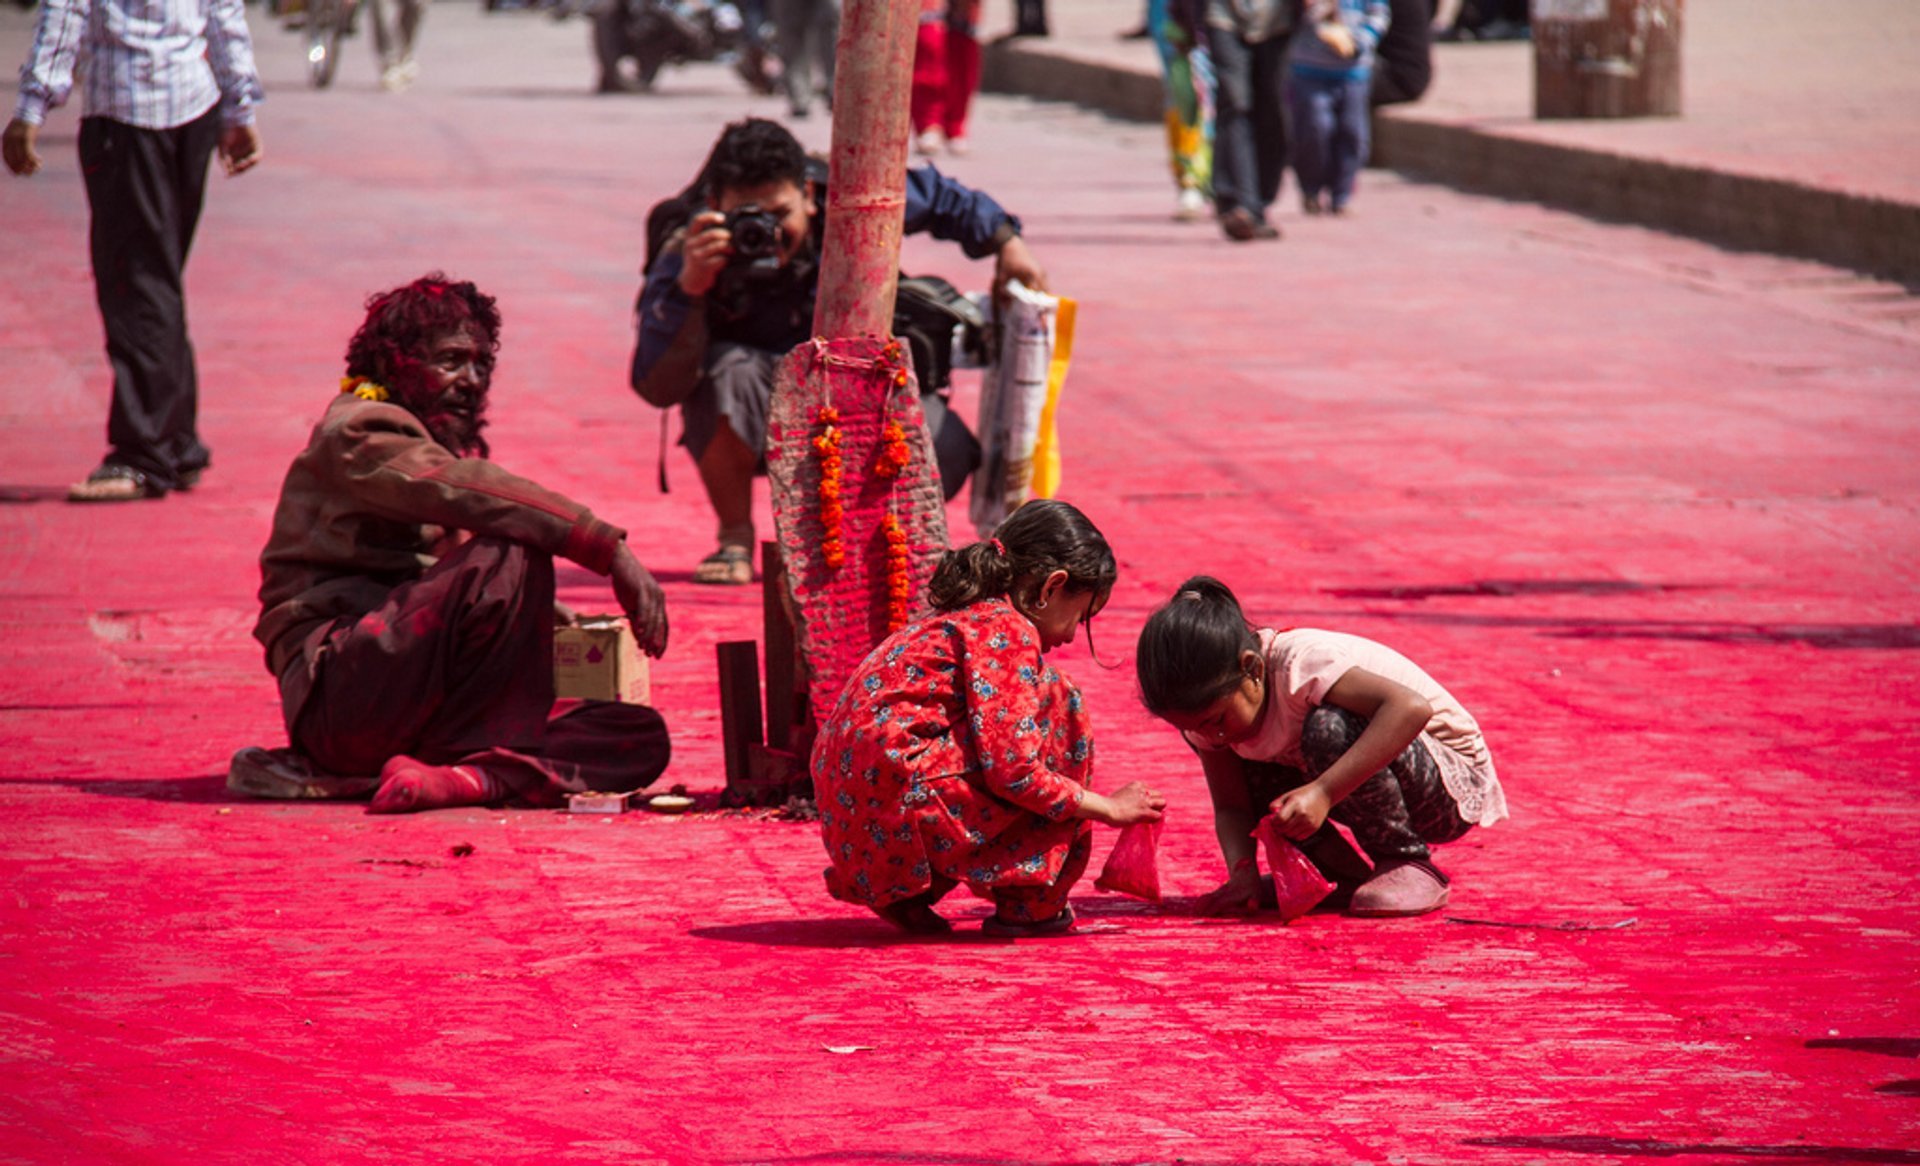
x=1189 y=653
x=1040 y=538
x=753 y=153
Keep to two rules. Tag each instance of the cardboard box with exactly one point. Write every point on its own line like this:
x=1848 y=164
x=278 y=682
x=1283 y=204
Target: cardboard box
x=599 y=660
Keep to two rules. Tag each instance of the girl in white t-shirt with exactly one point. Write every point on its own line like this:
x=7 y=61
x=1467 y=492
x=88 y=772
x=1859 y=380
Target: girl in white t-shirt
x=1313 y=725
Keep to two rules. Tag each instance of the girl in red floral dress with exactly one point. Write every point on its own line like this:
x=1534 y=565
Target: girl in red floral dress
x=957 y=755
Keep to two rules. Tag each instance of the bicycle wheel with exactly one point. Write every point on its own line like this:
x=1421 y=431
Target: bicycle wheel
x=326 y=22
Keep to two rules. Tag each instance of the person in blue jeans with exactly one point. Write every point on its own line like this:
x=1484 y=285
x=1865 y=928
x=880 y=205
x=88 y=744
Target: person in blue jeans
x=1329 y=79
x=1247 y=40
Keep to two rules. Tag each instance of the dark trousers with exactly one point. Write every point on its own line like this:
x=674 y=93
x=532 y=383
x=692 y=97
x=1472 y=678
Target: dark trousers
x=1249 y=121
x=457 y=667
x=1393 y=815
x=145 y=188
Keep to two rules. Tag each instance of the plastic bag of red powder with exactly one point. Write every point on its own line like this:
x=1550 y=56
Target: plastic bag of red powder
x=1133 y=868
x=1297 y=883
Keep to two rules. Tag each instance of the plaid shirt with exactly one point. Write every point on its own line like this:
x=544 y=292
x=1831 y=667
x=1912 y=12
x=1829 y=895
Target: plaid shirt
x=156 y=64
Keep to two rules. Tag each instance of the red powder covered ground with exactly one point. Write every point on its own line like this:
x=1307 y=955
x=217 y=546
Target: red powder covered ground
x=1648 y=508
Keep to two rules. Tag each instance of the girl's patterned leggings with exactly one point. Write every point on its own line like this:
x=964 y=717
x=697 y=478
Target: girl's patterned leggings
x=1394 y=814
x=1039 y=904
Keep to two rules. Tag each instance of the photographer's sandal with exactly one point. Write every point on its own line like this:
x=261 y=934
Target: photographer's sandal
x=731 y=565
x=115 y=483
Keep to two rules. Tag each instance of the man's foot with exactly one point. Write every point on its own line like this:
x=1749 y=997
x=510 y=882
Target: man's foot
x=1242 y=226
x=113 y=482
x=730 y=565
x=929 y=142
x=959 y=147
x=1000 y=928
x=283 y=774
x=1410 y=889
x=1191 y=206
x=407 y=784
x=1313 y=204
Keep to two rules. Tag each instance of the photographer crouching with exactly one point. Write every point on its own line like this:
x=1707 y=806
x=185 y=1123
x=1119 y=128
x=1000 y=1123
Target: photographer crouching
x=733 y=290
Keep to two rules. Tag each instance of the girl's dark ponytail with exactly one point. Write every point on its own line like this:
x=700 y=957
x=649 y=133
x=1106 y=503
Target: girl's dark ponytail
x=969 y=574
x=1189 y=653
x=1036 y=540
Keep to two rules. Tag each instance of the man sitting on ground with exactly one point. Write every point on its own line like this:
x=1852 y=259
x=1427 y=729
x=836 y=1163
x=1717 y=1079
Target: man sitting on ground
x=407 y=591
x=715 y=316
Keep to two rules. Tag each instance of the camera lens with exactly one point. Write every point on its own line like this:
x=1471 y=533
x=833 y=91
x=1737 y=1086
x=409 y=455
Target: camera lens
x=755 y=233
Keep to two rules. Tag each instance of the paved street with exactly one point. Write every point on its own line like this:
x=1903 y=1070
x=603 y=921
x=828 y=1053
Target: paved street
x=1648 y=507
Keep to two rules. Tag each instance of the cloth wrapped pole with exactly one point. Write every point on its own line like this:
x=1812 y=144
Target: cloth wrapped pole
x=841 y=576
x=1019 y=401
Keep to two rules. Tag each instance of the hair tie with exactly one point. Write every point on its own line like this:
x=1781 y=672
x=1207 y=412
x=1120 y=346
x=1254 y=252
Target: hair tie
x=999 y=547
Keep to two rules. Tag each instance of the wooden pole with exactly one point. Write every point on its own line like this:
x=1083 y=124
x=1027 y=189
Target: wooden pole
x=1606 y=58
x=866 y=184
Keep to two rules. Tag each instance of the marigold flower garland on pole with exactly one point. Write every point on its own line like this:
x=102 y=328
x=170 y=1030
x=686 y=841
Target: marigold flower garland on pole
x=899 y=573
x=833 y=549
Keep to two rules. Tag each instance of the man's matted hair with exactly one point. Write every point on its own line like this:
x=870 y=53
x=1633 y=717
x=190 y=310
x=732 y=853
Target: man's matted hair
x=753 y=153
x=401 y=323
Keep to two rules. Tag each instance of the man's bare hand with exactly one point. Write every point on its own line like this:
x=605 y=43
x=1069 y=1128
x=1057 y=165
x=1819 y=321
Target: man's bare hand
x=239 y=149
x=1016 y=261
x=705 y=252
x=17 y=145
x=639 y=595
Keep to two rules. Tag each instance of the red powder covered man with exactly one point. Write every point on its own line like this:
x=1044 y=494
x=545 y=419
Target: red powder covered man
x=407 y=590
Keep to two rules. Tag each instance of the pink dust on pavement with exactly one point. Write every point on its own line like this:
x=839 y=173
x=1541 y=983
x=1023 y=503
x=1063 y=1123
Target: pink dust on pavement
x=1647 y=508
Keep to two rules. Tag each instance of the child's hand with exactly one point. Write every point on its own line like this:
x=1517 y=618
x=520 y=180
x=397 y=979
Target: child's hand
x=1338 y=36
x=1239 y=895
x=1131 y=803
x=1299 y=812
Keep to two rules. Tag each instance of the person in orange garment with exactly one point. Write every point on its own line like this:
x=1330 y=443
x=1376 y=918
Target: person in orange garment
x=407 y=590
x=956 y=754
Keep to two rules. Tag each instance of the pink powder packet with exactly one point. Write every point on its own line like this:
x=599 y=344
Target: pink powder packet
x=1133 y=867
x=1297 y=883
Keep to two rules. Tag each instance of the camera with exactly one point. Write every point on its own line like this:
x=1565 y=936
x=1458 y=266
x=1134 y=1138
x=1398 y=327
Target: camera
x=756 y=237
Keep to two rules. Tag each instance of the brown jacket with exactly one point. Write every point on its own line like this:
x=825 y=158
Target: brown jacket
x=364 y=505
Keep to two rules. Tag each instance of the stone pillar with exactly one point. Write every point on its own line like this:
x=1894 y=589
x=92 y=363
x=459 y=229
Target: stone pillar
x=1606 y=58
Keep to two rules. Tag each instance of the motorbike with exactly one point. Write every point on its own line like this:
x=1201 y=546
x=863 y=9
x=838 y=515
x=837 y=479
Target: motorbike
x=657 y=33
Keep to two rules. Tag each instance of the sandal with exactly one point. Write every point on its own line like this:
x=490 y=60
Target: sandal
x=113 y=482
x=282 y=774
x=731 y=565
x=999 y=928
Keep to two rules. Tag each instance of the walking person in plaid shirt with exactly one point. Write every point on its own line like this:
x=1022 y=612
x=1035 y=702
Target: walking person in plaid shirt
x=166 y=84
